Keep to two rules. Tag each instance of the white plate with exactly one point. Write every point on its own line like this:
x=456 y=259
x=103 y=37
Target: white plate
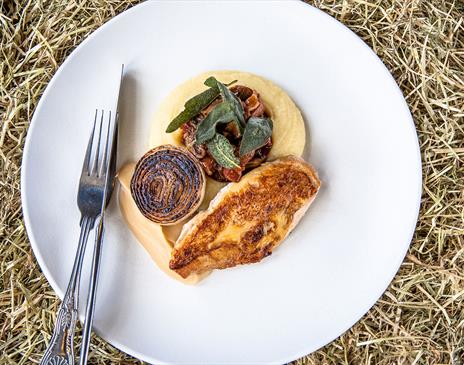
x=336 y=263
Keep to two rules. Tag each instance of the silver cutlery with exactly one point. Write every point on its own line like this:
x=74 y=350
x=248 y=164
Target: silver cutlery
x=93 y=193
x=90 y=308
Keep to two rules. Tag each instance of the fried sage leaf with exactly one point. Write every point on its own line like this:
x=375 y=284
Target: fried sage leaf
x=223 y=152
x=221 y=114
x=196 y=104
x=230 y=110
x=212 y=82
x=235 y=103
x=256 y=135
x=192 y=108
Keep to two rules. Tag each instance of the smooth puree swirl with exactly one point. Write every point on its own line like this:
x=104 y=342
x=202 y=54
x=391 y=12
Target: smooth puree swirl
x=168 y=184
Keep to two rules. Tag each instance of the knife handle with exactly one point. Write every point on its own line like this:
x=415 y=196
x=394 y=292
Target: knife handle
x=90 y=309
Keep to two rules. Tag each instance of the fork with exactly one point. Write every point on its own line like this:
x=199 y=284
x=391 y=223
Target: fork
x=91 y=201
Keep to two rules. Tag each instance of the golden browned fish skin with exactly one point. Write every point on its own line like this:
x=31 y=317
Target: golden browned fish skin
x=248 y=219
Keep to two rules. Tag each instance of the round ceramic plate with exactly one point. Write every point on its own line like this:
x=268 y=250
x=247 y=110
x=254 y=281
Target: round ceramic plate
x=327 y=273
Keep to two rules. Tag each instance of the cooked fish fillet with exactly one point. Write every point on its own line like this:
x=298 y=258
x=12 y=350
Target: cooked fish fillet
x=248 y=219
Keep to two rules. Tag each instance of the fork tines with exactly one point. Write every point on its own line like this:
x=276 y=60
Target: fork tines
x=97 y=154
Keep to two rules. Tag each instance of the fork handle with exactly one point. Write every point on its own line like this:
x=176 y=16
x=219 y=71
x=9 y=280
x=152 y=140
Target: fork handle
x=60 y=350
x=90 y=309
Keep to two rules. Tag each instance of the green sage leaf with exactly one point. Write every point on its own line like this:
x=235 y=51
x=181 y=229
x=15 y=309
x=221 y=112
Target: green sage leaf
x=195 y=105
x=229 y=97
x=223 y=152
x=221 y=113
x=230 y=110
x=256 y=134
x=212 y=82
x=192 y=108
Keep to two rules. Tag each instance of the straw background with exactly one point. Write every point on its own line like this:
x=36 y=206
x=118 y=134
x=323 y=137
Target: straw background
x=419 y=319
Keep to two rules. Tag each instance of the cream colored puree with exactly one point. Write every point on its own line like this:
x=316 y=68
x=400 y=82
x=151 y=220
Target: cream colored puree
x=288 y=139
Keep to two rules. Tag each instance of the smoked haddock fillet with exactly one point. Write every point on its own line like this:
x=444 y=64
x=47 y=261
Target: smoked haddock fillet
x=248 y=219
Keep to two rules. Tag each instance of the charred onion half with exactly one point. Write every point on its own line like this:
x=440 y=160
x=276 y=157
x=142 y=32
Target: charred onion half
x=168 y=184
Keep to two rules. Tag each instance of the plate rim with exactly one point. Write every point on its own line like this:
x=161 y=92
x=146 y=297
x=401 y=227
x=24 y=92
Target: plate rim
x=26 y=161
